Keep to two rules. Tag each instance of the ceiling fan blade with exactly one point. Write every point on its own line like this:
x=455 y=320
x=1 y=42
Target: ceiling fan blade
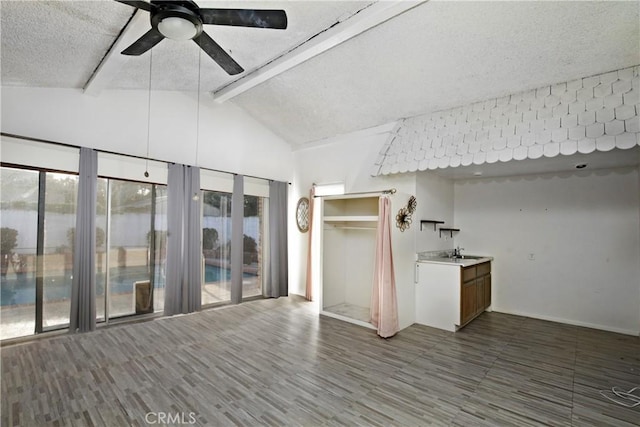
x=137 y=4
x=218 y=54
x=144 y=43
x=276 y=19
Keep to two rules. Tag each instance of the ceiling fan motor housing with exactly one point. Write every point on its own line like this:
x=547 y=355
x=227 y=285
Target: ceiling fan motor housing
x=182 y=18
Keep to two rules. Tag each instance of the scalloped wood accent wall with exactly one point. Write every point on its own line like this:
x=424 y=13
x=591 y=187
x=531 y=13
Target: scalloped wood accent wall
x=596 y=113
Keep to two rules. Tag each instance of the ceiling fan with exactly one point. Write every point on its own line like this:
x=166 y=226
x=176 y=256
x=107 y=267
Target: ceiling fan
x=183 y=20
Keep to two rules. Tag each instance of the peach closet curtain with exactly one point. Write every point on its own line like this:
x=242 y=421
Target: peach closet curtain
x=384 y=303
x=308 y=293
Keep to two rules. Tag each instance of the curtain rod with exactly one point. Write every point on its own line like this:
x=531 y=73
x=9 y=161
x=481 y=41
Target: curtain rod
x=389 y=191
x=63 y=144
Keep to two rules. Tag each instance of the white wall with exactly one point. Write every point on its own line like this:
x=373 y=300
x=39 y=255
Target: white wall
x=348 y=262
x=435 y=202
x=583 y=232
x=116 y=120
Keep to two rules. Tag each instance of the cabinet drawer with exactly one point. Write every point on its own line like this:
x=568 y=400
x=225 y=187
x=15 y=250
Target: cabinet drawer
x=484 y=268
x=468 y=273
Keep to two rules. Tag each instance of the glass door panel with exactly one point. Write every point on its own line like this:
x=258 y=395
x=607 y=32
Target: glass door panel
x=60 y=200
x=159 y=246
x=19 y=225
x=129 y=237
x=101 y=247
x=216 y=247
x=253 y=246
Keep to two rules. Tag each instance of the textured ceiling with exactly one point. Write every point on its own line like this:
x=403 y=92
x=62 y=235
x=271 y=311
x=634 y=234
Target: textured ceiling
x=435 y=56
x=56 y=43
x=445 y=54
x=175 y=64
x=60 y=43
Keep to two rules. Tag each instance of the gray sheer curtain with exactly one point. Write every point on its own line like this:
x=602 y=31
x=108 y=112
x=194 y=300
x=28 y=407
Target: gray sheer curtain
x=184 y=254
x=237 y=238
x=83 y=289
x=277 y=280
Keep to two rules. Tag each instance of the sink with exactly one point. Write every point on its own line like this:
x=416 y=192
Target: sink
x=461 y=260
x=469 y=257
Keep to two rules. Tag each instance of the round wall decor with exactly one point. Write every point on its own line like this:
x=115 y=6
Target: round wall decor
x=403 y=219
x=302 y=214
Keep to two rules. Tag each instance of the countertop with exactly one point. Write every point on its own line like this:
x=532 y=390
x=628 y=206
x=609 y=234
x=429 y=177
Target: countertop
x=460 y=262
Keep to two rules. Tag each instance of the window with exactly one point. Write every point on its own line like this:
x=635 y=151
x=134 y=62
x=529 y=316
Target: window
x=216 y=247
x=38 y=226
x=253 y=244
x=130 y=261
x=38 y=217
x=60 y=200
x=19 y=189
x=216 y=236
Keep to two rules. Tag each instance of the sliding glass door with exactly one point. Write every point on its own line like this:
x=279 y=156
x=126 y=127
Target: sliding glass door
x=216 y=247
x=38 y=212
x=61 y=194
x=19 y=216
x=253 y=246
x=131 y=260
x=38 y=216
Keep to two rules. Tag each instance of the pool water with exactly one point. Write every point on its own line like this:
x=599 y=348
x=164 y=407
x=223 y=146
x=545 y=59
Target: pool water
x=213 y=273
x=17 y=292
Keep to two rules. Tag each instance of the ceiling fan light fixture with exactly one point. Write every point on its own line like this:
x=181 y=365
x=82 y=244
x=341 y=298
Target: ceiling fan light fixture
x=177 y=28
x=183 y=20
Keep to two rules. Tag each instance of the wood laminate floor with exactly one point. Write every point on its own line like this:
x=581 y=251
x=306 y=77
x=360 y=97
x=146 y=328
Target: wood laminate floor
x=353 y=311
x=277 y=363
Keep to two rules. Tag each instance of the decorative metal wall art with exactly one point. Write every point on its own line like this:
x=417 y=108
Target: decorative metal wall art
x=412 y=204
x=302 y=214
x=403 y=219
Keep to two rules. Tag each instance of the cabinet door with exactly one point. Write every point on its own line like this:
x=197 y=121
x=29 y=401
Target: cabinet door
x=468 y=273
x=487 y=290
x=468 y=301
x=480 y=295
x=484 y=268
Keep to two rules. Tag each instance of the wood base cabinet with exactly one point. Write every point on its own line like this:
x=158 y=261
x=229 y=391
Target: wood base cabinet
x=468 y=297
x=449 y=296
x=475 y=291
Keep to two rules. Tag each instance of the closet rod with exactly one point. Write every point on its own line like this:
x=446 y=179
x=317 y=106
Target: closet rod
x=347 y=227
x=389 y=191
x=133 y=156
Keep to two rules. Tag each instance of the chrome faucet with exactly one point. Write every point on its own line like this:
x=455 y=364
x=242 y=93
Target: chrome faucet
x=457 y=252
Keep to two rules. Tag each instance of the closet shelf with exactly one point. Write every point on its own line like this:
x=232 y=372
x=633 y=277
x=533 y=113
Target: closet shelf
x=430 y=221
x=351 y=218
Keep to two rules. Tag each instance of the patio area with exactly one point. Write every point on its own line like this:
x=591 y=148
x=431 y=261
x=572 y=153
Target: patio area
x=18 y=320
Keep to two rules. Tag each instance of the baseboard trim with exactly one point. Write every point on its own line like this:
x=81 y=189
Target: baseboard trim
x=347 y=319
x=607 y=328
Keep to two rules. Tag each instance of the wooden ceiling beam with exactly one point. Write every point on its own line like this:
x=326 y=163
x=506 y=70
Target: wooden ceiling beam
x=372 y=16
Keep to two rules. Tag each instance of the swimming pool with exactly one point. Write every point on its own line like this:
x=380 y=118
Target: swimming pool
x=18 y=292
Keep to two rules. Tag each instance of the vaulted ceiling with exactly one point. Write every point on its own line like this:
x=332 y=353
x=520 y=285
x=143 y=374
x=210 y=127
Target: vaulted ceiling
x=424 y=57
